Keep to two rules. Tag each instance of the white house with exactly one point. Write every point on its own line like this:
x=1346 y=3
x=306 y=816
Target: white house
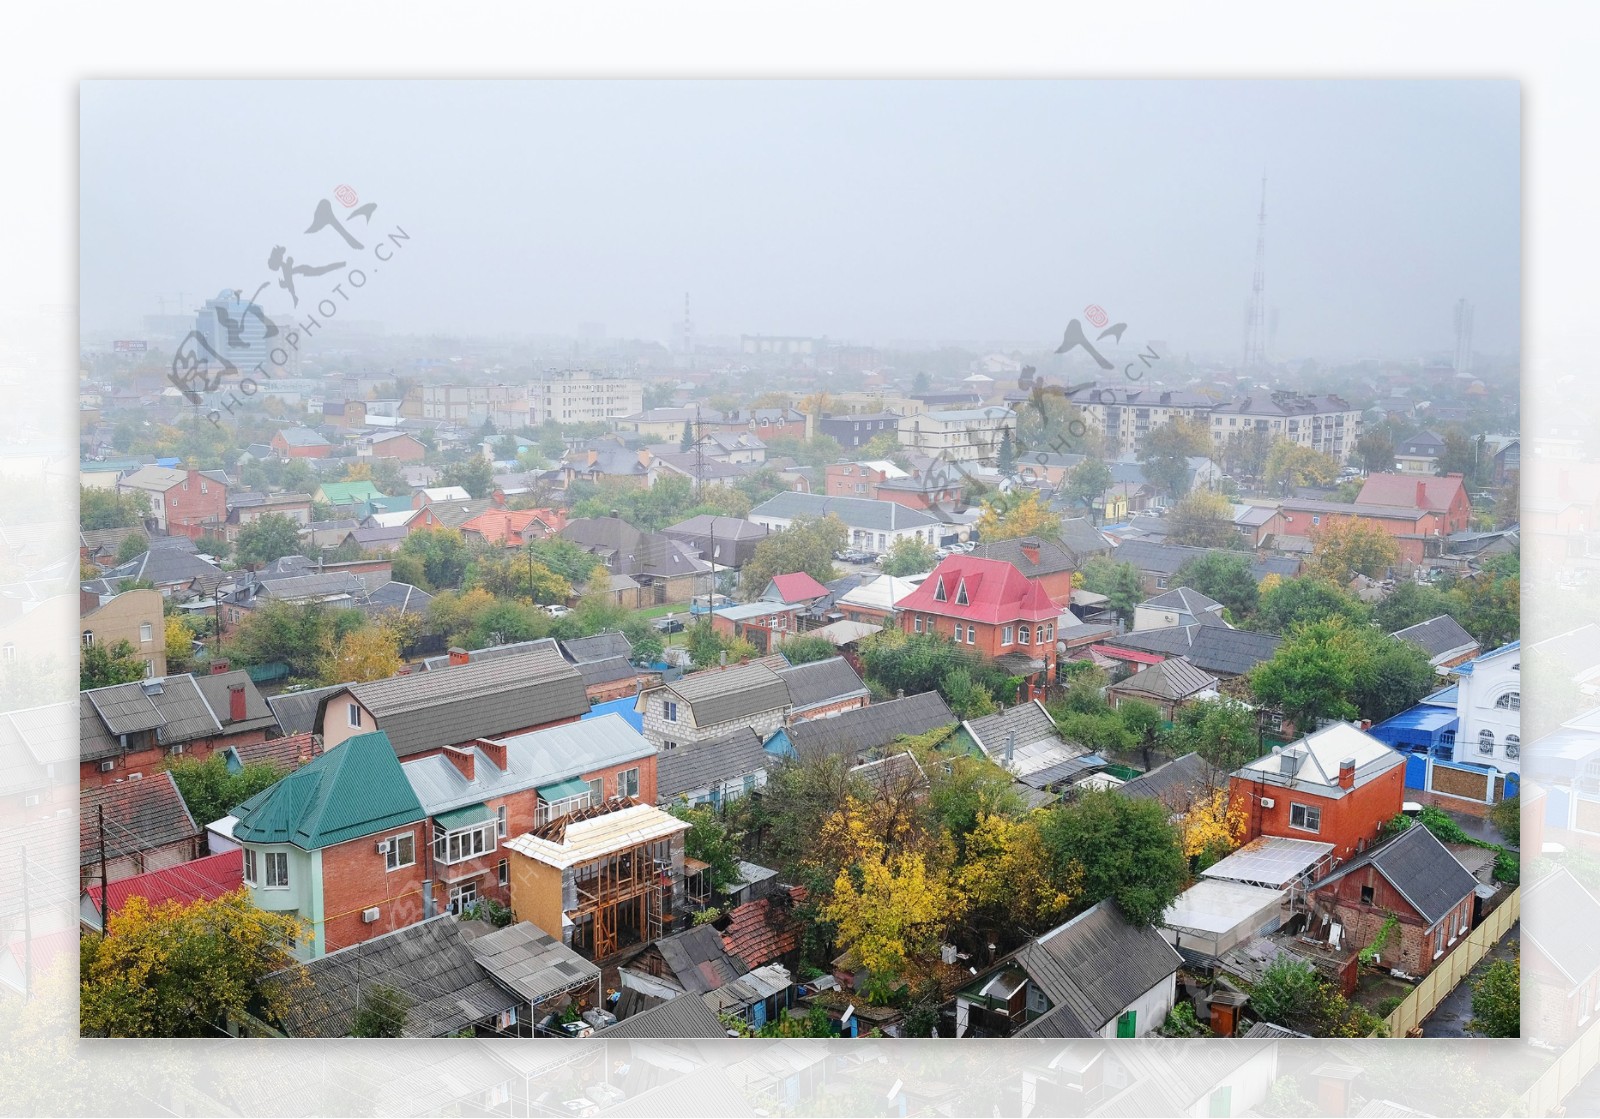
x=1489 y=710
x=874 y=525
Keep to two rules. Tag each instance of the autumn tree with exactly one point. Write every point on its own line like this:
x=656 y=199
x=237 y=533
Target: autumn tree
x=1128 y=850
x=1203 y=519
x=1007 y=877
x=806 y=545
x=369 y=653
x=1212 y=828
x=1244 y=453
x=1017 y=513
x=1224 y=577
x=178 y=640
x=100 y=665
x=1291 y=465
x=964 y=790
x=178 y=970
x=799 y=797
x=1375 y=451
x=1165 y=453
x=1344 y=548
x=267 y=539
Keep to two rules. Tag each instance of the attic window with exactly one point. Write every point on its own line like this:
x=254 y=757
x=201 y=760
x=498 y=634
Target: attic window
x=938 y=592
x=961 y=593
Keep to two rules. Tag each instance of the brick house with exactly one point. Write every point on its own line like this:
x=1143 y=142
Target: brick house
x=481 y=793
x=763 y=623
x=930 y=483
x=859 y=479
x=993 y=609
x=398 y=445
x=1045 y=561
x=339 y=843
x=708 y=705
x=300 y=442
x=127 y=731
x=1416 y=532
x=1445 y=497
x=1338 y=785
x=425 y=712
x=147 y=827
x=820 y=689
x=1416 y=879
x=182 y=502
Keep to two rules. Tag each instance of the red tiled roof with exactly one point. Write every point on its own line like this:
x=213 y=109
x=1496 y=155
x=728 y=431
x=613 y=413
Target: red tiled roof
x=759 y=932
x=140 y=816
x=996 y=592
x=1401 y=489
x=1119 y=653
x=798 y=587
x=287 y=753
x=502 y=525
x=203 y=879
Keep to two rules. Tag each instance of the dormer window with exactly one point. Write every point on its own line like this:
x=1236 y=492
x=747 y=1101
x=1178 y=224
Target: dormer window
x=938 y=592
x=961 y=593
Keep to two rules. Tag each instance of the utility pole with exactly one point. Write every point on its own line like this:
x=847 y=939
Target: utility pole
x=105 y=885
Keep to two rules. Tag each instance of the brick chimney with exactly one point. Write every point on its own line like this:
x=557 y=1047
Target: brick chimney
x=494 y=751
x=235 y=703
x=1030 y=548
x=459 y=655
x=219 y=666
x=1422 y=495
x=1347 y=773
x=464 y=760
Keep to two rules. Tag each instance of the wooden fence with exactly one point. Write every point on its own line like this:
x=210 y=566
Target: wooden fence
x=1565 y=1074
x=1449 y=972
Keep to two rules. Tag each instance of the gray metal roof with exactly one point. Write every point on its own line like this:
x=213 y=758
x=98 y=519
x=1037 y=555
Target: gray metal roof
x=483 y=700
x=729 y=529
x=1187 y=599
x=540 y=757
x=532 y=964
x=296 y=712
x=1030 y=722
x=686 y=1016
x=163 y=566
x=430 y=963
x=598 y=647
x=861 y=733
x=216 y=689
x=1053 y=556
x=700 y=765
x=1420 y=867
x=821 y=682
x=1081 y=538
x=1569 y=944
x=172 y=706
x=1230 y=652
x=697 y=959
x=721 y=695
x=1177 y=784
x=1172 y=679
x=857 y=512
x=607 y=671
x=1092 y=968
x=1438 y=637
x=403 y=597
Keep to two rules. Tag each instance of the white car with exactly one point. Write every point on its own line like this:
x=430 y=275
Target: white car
x=557 y=611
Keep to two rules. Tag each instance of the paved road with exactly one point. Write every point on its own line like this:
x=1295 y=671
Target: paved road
x=1449 y=1019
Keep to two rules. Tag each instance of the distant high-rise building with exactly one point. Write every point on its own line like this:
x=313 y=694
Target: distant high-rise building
x=1463 y=358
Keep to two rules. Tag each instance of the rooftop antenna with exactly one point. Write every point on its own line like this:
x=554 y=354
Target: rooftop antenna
x=1255 y=336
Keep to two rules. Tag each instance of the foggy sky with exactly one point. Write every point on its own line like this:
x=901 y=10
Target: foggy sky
x=867 y=211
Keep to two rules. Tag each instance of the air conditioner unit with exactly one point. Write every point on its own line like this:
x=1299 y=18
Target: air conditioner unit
x=383 y=846
x=1268 y=802
x=108 y=765
x=177 y=749
x=369 y=915
x=30 y=801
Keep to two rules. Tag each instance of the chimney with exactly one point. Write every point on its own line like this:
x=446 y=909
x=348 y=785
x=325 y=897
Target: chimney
x=1289 y=763
x=1347 y=773
x=219 y=666
x=1422 y=495
x=459 y=655
x=899 y=693
x=235 y=703
x=1030 y=548
x=494 y=751
x=1011 y=747
x=464 y=759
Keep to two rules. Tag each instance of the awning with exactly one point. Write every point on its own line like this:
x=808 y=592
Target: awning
x=562 y=790
x=464 y=817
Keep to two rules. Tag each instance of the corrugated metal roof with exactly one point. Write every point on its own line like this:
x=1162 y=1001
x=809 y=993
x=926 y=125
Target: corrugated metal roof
x=686 y=1016
x=821 y=682
x=1177 y=784
x=1172 y=679
x=296 y=712
x=857 y=512
x=722 y=695
x=860 y=733
x=356 y=789
x=696 y=766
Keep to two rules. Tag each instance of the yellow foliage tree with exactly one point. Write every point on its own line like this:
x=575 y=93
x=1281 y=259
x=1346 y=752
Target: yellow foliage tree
x=1343 y=549
x=1294 y=464
x=369 y=653
x=178 y=970
x=1006 y=516
x=178 y=644
x=891 y=914
x=1007 y=874
x=358 y=472
x=1212 y=826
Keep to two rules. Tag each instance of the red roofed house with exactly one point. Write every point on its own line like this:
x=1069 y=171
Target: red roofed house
x=204 y=879
x=991 y=607
x=766 y=930
x=513 y=528
x=794 y=588
x=1410 y=528
x=1445 y=496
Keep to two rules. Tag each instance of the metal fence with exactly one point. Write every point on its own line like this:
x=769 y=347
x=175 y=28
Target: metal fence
x=1449 y=972
x=1565 y=1074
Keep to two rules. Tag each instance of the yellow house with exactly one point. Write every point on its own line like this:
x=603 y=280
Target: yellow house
x=132 y=616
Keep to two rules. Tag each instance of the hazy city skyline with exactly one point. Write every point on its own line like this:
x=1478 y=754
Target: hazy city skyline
x=869 y=211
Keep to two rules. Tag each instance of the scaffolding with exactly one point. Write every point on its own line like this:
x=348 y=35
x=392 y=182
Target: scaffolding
x=621 y=892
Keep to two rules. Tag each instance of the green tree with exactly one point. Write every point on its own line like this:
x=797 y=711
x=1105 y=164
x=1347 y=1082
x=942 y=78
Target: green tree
x=212 y=545
x=1507 y=819
x=1222 y=731
x=798 y=798
x=963 y=789
x=1291 y=465
x=1497 y=1000
x=443 y=554
x=1006 y=457
x=1202 y=519
x=1287 y=992
x=1127 y=848
x=806 y=545
x=708 y=840
x=1244 y=453
x=1333 y=669
x=380 y=1012
x=267 y=539
x=132 y=547
x=1166 y=452
x=1375 y=451
x=909 y=556
x=100 y=508
x=1086 y=483
x=177 y=970
x=1491 y=609
x=1412 y=603
x=475 y=474
x=687 y=441
x=211 y=790
x=1222 y=576
x=1464 y=455
x=283 y=633
x=1121 y=583
x=1306 y=599
x=805 y=649
x=100 y=666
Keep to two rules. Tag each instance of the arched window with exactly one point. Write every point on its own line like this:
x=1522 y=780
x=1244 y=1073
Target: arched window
x=1513 y=745
x=1486 y=742
x=1511 y=701
x=88 y=638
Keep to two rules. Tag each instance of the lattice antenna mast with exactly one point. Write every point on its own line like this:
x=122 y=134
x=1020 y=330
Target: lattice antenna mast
x=1255 y=338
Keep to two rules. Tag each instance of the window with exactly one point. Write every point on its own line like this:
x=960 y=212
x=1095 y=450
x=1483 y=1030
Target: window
x=8 y=651
x=1366 y=895
x=277 y=870
x=938 y=592
x=88 y=639
x=463 y=896
x=503 y=870
x=1513 y=745
x=1024 y=634
x=961 y=593
x=146 y=632
x=464 y=843
x=249 y=867
x=628 y=782
x=402 y=852
x=354 y=714
x=1305 y=817
x=669 y=711
x=1486 y=742
x=1005 y=635
x=1511 y=701
x=916 y=622
x=500 y=821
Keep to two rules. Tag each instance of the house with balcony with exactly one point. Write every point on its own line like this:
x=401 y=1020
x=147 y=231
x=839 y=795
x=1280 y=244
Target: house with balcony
x=480 y=793
x=1338 y=785
x=340 y=844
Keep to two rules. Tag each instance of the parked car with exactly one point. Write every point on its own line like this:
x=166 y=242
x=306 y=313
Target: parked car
x=668 y=624
x=555 y=610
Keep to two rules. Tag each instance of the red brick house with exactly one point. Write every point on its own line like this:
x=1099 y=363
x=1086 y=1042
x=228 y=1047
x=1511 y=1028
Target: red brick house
x=1414 y=879
x=858 y=479
x=147 y=827
x=483 y=792
x=1446 y=496
x=991 y=608
x=393 y=444
x=1338 y=785
x=1415 y=531
x=300 y=442
x=508 y=528
x=763 y=623
x=128 y=731
x=182 y=502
